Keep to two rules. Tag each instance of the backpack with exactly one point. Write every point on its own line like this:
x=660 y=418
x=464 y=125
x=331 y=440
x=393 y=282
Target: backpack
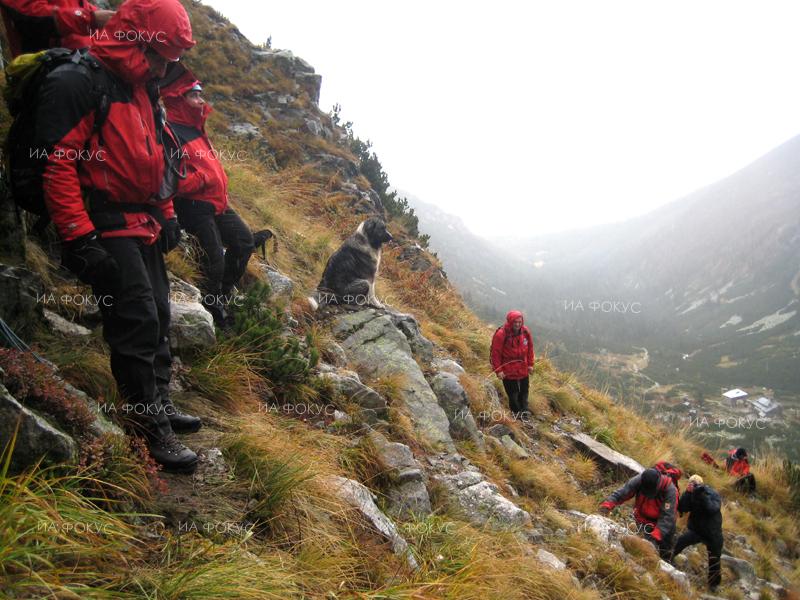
x=23 y=165
x=671 y=471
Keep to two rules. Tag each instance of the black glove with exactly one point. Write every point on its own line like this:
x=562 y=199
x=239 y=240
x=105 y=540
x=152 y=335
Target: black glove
x=87 y=258
x=170 y=235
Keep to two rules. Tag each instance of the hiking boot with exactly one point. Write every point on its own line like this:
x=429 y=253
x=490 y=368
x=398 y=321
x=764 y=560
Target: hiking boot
x=260 y=241
x=179 y=421
x=172 y=455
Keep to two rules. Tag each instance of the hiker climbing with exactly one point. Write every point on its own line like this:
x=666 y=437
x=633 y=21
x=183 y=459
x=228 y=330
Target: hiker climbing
x=98 y=124
x=512 y=358
x=32 y=26
x=201 y=202
x=655 y=505
x=703 y=504
x=738 y=465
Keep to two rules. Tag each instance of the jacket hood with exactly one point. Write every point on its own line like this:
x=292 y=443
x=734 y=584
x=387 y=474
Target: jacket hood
x=162 y=25
x=178 y=109
x=512 y=316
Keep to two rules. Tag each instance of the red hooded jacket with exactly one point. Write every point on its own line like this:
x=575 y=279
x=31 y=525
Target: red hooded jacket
x=33 y=25
x=512 y=354
x=738 y=467
x=205 y=178
x=124 y=161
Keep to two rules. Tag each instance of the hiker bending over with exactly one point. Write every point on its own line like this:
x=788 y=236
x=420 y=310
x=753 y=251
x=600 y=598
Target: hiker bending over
x=703 y=504
x=201 y=202
x=738 y=465
x=654 y=509
x=512 y=359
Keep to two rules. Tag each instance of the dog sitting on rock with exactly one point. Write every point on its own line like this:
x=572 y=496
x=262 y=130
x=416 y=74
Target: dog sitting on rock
x=349 y=276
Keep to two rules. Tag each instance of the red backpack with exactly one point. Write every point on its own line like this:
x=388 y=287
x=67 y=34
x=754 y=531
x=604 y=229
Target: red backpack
x=671 y=471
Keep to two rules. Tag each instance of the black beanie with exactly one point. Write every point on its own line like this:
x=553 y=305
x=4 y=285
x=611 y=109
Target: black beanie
x=741 y=453
x=649 y=486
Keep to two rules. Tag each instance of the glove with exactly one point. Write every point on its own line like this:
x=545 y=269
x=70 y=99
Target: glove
x=170 y=235
x=87 y=259
x=604 y=510
x=656 y=535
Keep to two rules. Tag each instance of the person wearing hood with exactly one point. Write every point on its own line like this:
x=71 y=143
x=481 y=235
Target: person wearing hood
x=201 y=202
x=738 y=465
x=34 y=25
x=704 y=505
x=108 y=192
x=654 y=509
x=512 y=358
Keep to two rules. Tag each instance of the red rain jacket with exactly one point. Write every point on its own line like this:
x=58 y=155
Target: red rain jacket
x=737 y=467
x=658 y=513
x=512 y=354
x=125 y=160
x=33 y=25
x=205 y=178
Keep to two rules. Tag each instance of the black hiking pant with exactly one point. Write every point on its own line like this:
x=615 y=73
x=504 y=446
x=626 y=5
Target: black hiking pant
x=746 y=484
x=517 y=392
x=135 y=310
x=226 y=243
x=713 y=544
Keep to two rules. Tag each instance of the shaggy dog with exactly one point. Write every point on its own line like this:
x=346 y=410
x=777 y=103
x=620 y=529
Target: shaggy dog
x=349 y=276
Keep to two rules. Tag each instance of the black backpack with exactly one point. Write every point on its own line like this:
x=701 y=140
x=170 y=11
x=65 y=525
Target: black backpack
x=23 y=165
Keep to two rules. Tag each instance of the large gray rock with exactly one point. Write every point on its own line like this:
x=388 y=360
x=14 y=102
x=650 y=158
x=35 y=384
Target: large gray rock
x=359 y=497
x=407 y=494
x=36 y=438
x=550 y=560
x=191 y=326
x=679 y=577
x=373 y=405
x=281 y=286
x=64 y=327
x=741 y=568
x=453 y=399
x=421 y=347
x=481 y=503
x=101 y=424
x=621 y=464
x=376 y=349
x=447 y=365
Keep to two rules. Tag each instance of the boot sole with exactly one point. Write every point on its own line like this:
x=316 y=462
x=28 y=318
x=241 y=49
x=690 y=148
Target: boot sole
x=193 y=429
x=181 y=470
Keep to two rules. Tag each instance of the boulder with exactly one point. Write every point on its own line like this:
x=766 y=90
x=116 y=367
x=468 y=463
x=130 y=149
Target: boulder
x=281 y=286
x=101 y=424
x=447 y=365
x=623 y=465
x=407 y=493
x=549 y=560
x=191 y=326
x=741 y=569
x=421 y=347
x=679 y=577
x=36 y=438
x=360 y=498
x=513 y=447
x=481 y=503
x=377 y=348
x=352 y=390
x=604 y=528
x=453 y=399
x=64 y=327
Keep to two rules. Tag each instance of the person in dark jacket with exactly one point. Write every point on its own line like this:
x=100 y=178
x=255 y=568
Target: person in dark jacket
x=654 y=510
x=34 y=25
x=703 y=504
x=201 y=202
x=120 y=173
x=738 y=465
x=512 y=358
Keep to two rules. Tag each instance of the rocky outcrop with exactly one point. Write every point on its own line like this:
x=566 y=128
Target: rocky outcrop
x=191 y=326
x=36 y=438
x=447 y=365
x=348 y=385
x=20 y=291
x=377 y=349
x=67 y=328
x=281 y=286
x=453 y=399
x=360 y=498
x=481 y=502
x=406 y=494
x=623 y=465
x=296 y=68
x=421 y=347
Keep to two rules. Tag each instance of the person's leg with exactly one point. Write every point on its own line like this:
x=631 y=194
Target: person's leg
x=686 y=539
x=511 y=389
x=212 y=265
x=238 y=241
x=714 y=546
x=524 y=386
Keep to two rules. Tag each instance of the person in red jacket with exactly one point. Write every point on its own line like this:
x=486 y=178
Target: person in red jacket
x=34 y=25
x=654 y=510
x=512 y=359
x=119 y=171
x=737 y=465
x=201 y=202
